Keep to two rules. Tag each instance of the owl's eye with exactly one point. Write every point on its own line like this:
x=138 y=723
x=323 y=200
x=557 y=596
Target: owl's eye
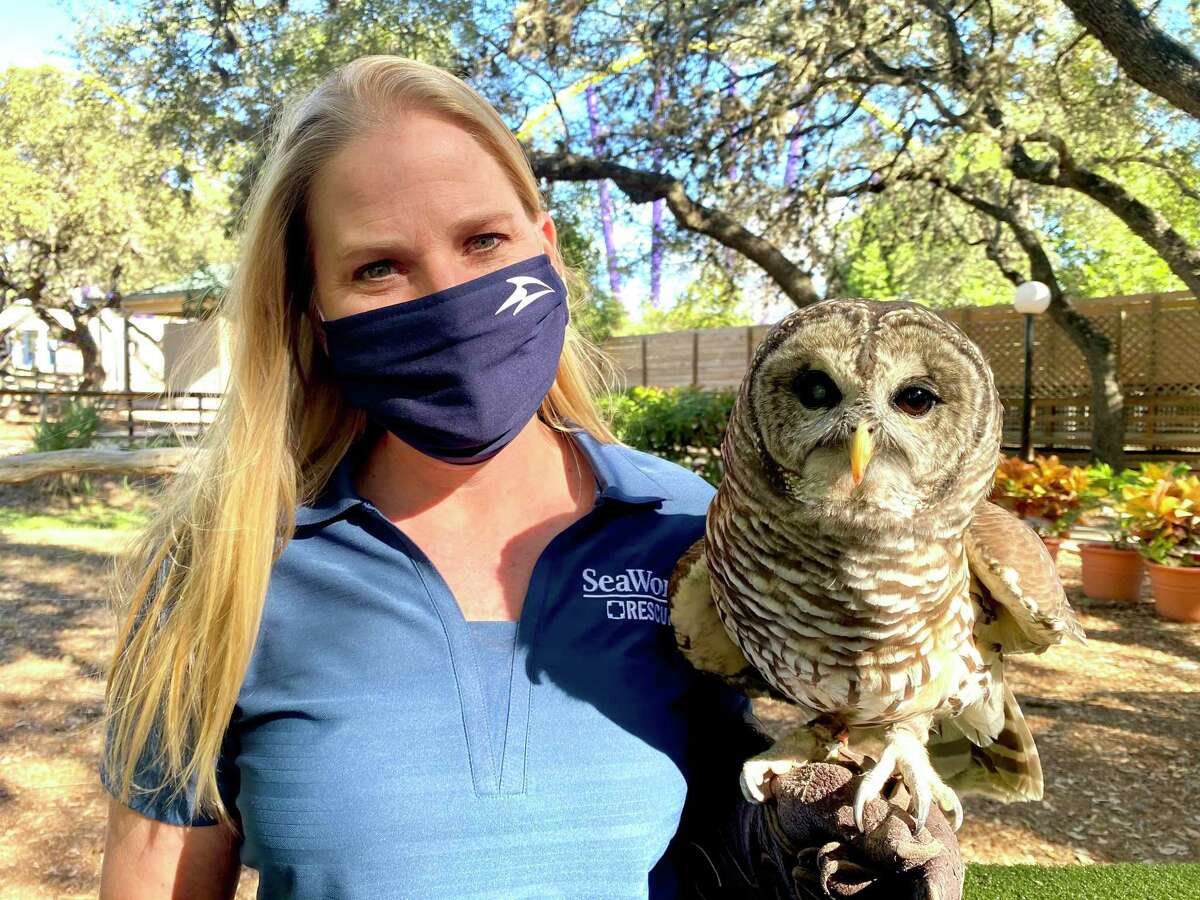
x=816 y=390
x=915 y=400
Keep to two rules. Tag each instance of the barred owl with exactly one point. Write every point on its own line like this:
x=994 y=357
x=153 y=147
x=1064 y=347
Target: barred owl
x=852 y=561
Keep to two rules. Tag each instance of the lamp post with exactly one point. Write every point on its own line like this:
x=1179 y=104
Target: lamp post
x=1030 y=299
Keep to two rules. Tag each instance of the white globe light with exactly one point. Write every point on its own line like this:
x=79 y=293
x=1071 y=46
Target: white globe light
x=1031 y=297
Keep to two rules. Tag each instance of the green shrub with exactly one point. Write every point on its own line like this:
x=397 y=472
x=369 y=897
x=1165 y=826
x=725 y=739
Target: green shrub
x=73 y=425
x=685 y=425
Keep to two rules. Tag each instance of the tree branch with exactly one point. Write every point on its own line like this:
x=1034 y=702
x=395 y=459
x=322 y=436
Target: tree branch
x=1142 y=220
x=642 y=186
x=1107 y=401
x=1155 y=60
x=1180 y=182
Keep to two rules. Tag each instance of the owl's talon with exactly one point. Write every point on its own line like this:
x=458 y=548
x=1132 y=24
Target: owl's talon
x=873 y=782
x=949 y=802
x=919 y=807
x=904 y=751
x=757 y=775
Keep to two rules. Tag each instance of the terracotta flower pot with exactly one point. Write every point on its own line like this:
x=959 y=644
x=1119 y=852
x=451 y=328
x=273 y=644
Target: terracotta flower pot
x=1052 y=542
x=1109 y=573
x=1176 y=591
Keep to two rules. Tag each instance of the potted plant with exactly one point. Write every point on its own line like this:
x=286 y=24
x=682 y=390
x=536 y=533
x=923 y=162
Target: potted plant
x=1046 y=493
x=1165 y=516
x=1112 y=569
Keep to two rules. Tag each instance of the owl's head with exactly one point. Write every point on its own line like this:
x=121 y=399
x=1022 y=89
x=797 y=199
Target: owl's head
x=873 y=412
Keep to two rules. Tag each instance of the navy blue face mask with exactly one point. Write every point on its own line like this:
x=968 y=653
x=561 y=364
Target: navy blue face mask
x=457 y=373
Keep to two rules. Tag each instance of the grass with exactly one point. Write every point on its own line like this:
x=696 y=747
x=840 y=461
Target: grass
x=95 y=515
x=1121 y=881
x=88 y=523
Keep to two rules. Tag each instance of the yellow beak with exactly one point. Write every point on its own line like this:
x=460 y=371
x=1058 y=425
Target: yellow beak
x=861 y=449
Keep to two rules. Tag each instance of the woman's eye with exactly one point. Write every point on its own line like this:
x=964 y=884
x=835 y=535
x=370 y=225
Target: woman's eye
x=486 y=237
x=382 y=268
x=914 y=401
x=374 y=271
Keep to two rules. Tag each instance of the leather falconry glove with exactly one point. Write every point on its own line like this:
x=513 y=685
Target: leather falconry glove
x=803 y=843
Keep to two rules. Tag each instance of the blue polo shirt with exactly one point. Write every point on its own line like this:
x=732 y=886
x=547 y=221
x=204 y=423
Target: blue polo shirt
x=384 y=746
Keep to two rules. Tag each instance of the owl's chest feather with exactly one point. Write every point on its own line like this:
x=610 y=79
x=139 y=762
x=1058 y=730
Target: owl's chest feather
x=872 y=632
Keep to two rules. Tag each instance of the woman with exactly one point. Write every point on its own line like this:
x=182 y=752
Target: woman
x=401 y=630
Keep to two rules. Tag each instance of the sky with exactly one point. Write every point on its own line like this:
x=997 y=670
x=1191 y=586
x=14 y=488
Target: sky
x=32 y=32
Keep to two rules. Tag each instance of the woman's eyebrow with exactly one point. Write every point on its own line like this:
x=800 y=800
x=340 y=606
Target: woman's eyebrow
x=471 y=223
x=381 y=245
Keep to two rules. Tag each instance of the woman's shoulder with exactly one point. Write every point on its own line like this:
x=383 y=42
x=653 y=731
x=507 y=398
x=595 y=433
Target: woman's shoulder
x=682 y=489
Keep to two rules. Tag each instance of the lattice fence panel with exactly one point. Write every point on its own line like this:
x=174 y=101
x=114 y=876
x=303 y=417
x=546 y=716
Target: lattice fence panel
x=1061 y=369
x=1137 y=347
x=1176 y=349
x=1001 y=342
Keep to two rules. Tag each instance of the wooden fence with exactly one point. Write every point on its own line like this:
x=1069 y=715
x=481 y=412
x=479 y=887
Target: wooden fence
x=1156 y=337
x=127 y=415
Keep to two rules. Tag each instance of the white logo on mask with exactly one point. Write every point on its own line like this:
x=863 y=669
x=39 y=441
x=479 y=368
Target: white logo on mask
x=521 y=295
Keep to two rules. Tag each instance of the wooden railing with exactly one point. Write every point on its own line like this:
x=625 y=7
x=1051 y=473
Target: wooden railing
x=136 y=413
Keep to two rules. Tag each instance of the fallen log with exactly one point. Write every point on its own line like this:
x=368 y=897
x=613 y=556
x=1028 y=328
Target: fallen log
x=153 y=461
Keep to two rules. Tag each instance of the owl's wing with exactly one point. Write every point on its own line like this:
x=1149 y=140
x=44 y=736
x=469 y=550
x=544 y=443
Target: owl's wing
x=1021 y=603
x=698 y=629
x=1005 y=768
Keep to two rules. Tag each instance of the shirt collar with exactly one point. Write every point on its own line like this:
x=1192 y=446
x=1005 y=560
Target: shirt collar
x=338 y=496
x=619 y=478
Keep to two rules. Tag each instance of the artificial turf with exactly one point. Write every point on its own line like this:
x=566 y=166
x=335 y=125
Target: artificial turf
x=1121 y=881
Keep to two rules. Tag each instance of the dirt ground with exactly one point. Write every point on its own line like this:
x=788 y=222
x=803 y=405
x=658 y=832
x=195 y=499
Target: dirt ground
x=56 y=636
x=1117 y=724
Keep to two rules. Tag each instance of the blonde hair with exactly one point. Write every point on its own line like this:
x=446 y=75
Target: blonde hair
x=191 y=588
